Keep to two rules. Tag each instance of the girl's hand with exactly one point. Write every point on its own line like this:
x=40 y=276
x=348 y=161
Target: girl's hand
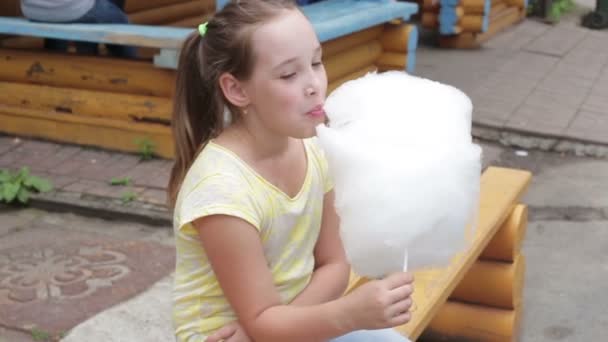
x=232 y=332
x=381 y=304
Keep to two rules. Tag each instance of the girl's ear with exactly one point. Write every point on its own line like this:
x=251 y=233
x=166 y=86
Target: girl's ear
x=233 y=90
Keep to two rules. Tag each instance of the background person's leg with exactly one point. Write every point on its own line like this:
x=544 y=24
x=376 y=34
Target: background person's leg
x=382 y=335
x=106 y=12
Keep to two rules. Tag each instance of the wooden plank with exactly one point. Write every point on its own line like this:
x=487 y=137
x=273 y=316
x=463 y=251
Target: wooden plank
x=501 y=189
x=471 y=23
x=79 y=102
x=392 y=61
x=100 y=132
x=506 y=243
x=430 y=20
x=493 y=283
x=173 y=12
x=85 y=72
x=468 y=322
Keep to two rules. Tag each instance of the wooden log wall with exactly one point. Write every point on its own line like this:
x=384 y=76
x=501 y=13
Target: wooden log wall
x=469 y=23
x=112 y=103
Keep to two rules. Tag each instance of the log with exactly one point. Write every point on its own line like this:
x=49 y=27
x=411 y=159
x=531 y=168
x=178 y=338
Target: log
x=100 y=132
x=22 y=42
x=392 y=61
x=356 y=58
x=172 y=13
x=335 y=46
x=430 y=5
x=84 y=72
x=506 y=244
x=336 y=83
x=493 y=283
x=474 y=6
x=76 y=102
x=468 y=322
x=430 y=20
x=471 y=23
x=496 y=9
x=467 y=40
x=399 y=38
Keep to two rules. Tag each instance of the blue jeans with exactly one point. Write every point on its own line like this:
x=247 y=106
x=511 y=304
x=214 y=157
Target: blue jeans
x=103 y=12
x=383 y=335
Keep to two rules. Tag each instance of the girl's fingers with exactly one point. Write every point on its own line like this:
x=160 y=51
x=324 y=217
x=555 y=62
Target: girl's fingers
x=401 y=293
x=400 y=308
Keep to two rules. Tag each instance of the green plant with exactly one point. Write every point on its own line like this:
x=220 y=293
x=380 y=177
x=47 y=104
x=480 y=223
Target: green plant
x=20 y=185
x=127 y=197
x=146 y=148
x=559 y=8
x=40 y=335
x=120 y=181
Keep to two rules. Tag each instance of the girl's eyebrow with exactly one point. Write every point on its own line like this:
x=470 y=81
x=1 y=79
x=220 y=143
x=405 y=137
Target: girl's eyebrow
x=317 y=50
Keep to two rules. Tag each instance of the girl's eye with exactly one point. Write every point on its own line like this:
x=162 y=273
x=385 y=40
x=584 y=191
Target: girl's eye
x=317 y=64
x=288 y=76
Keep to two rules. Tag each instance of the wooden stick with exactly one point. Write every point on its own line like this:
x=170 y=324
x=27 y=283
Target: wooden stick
x=493 y=283
x=506 y=244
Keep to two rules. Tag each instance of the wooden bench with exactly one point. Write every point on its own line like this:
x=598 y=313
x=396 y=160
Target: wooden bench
x=501 y=226
x=331 y=19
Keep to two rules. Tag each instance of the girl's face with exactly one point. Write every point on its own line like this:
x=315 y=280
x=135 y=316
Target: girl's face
x=288 y=84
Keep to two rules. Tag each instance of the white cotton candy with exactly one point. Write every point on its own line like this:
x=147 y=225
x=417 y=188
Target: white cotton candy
x=405 y=169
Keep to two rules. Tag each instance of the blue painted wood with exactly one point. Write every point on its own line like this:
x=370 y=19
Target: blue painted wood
x=337 y=18
x=138 y=35
x=447 y=19
x=412 y=44
x=220 y=3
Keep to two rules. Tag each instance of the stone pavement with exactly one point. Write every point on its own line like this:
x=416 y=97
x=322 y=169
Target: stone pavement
x=534 y=80
x=534 y=86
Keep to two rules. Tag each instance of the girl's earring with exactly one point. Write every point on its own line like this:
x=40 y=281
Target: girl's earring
x=244 y=111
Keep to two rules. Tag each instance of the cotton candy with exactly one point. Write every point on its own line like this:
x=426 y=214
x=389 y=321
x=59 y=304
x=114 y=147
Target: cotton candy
x=405 y=169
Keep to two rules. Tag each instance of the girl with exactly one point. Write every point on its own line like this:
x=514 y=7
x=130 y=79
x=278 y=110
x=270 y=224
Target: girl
x=258 y=248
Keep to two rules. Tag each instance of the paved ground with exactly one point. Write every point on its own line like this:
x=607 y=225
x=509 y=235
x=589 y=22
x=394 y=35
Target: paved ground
x=565 y=247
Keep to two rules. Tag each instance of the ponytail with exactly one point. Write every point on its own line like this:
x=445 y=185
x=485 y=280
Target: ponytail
x=197 y=110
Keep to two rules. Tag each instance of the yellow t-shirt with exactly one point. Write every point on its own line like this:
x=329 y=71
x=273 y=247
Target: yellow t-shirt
x=219 y=182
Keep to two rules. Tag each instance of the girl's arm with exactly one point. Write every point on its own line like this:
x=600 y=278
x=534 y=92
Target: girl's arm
x=332 y=270
x=236 y=255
